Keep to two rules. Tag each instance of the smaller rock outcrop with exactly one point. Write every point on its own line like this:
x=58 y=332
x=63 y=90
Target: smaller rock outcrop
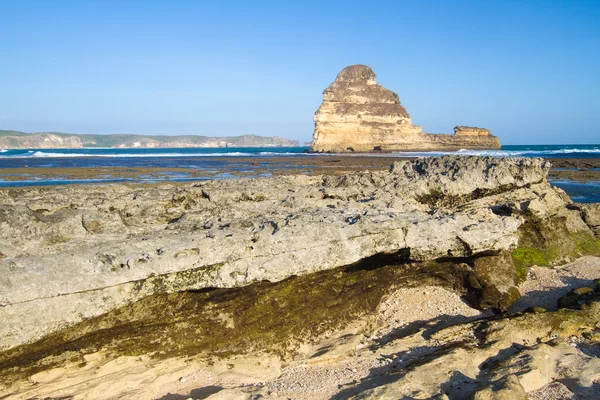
x=359 y=115
x=471 y=131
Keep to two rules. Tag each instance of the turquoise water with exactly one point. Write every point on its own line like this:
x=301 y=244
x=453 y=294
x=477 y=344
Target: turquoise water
x=223 y=159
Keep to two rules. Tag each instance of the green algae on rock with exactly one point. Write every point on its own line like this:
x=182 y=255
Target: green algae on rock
x=264 y=317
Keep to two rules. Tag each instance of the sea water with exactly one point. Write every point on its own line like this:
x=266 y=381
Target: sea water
x=53 y=157
x=219 y=159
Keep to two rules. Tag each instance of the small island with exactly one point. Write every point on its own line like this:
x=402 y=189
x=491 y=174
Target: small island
x=359 y=115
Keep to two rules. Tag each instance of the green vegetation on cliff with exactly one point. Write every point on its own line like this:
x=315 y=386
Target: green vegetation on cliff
x=16 y=139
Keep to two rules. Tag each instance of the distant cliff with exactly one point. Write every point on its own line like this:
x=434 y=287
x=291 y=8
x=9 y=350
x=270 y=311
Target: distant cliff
x=359 y=115
x=56 y=140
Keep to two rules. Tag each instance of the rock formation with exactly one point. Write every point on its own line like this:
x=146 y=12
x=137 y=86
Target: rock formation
x=471 y=131
x=225 y=268
x=121 y=244
x=359 y=115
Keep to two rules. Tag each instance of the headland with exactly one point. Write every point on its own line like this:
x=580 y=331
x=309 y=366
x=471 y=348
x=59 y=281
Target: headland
x=59 y=140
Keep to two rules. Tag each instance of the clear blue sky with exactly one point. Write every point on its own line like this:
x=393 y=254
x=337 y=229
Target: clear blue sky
x=528 y=70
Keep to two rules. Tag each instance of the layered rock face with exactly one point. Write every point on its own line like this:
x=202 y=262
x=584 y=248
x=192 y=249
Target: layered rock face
x=113 y=245
x=359 y=115
x=471 y=131
x=228 y=267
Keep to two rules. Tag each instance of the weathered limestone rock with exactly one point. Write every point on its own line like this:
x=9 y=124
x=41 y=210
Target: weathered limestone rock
x=591 y=216
x=113 y=245
x=72 y=253
x=455 y=176
x=471 y=131
x=494 y=359
x=359 y=115
x=91 y=276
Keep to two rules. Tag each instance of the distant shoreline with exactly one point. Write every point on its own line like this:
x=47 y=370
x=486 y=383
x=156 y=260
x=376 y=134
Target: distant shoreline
x=59 y=140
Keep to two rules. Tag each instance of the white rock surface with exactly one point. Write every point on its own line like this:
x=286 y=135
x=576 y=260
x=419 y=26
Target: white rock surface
x=71 y=253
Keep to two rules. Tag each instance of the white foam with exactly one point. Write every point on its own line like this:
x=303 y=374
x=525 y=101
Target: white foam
x=44 y=154
x=494 y=153
x=500 y=153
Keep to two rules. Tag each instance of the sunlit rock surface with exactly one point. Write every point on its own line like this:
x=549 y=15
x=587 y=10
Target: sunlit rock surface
x=359 y=115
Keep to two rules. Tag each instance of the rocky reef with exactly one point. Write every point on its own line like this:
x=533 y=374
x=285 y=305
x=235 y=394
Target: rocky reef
x=359 y=115
x=164 y=280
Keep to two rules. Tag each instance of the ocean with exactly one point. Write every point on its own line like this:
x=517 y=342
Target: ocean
x=126 y=157
x=219 y=160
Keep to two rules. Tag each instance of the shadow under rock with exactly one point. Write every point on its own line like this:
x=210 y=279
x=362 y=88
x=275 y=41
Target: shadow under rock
x=196 y=394
x=582 y=392
x=387 y=374
x=589 y=349
x=430 y=326
x=459 y=386
x=548 y=299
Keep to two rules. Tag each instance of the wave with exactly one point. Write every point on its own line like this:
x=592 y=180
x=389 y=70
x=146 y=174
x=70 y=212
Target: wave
x=493 y=153
x=509 y=152
x=502 y=153
x=44 y=154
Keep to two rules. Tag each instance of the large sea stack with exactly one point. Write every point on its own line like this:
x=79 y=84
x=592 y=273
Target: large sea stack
x=359 y=115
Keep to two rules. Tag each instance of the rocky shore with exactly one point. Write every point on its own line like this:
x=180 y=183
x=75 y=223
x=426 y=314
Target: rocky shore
x=579 y=169
x=408 y=282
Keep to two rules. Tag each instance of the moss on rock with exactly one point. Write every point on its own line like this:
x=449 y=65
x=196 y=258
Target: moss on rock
x=548 y=243
x=271 y=317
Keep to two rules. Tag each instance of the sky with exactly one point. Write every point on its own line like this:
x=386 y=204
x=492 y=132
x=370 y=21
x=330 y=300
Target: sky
x=527 y=70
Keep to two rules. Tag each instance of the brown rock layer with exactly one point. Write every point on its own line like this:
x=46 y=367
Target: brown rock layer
x=359 y=115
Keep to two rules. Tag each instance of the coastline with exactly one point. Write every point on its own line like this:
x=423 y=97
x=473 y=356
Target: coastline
x=568 y=173
x=192 y=289
x=565 y=168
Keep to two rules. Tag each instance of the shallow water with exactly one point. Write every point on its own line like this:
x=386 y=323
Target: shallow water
x=137 y=156
x=229 y=163
x=579 y=191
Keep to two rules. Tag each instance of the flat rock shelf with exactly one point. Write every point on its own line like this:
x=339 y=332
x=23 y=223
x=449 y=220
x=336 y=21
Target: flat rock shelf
x=255 y=281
